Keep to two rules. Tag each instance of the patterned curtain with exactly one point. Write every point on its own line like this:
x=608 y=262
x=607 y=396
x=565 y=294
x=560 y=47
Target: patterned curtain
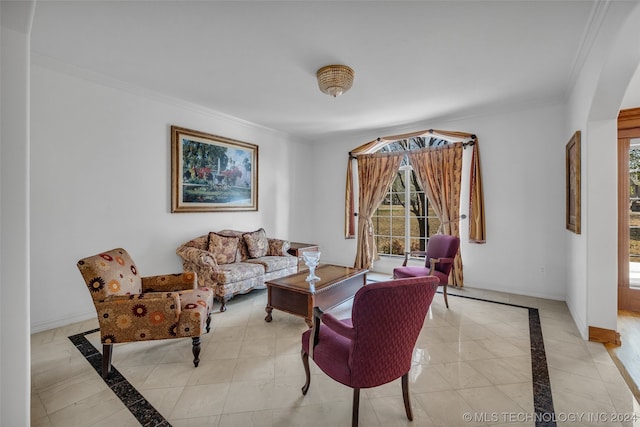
x=477 y=230
x=349 y=209
x=375 y=175
x=439 y=170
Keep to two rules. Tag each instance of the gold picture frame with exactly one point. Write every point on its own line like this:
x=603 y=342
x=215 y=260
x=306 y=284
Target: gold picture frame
x=573 y=183
x=211 y=173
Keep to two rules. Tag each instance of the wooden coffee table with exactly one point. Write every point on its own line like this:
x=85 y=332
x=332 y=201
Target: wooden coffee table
x=292 y=294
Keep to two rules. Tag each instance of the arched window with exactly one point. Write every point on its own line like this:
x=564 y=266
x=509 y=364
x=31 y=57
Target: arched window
x=409 y=189
x=405 y=219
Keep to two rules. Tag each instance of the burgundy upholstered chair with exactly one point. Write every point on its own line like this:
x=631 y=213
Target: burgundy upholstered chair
x=439 y=256
x=375 y=346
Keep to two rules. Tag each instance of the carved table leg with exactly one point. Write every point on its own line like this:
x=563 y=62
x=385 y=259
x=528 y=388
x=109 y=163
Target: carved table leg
x=268 y=317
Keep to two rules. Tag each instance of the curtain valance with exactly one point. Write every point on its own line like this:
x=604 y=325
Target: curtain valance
x=477 y=230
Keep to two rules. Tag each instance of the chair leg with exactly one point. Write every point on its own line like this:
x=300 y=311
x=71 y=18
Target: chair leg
x=405 y=396
x=305 y=363
x=106 y=359
x=208 y=322
x=444 y=291
x=196 y=350
x=223 y=305
x=356 y=407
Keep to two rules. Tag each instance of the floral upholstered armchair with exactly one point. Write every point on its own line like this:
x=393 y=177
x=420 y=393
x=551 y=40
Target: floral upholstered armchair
x=135 y=308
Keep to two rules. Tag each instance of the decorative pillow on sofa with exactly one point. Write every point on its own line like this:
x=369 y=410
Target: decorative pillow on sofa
x=257 y=243
x=223 y=248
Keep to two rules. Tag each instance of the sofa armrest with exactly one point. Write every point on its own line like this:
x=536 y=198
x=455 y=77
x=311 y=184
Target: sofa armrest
x=278 y=247
x=198 y=257
x=170 y=282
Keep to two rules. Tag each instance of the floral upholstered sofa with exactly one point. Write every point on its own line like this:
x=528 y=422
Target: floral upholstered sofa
x=233 y=262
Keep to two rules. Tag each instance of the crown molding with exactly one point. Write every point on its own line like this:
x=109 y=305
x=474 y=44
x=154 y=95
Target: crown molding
x=54 y=64
x=596 y=18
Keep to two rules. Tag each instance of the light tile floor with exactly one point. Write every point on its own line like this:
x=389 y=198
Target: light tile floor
x=472 y=360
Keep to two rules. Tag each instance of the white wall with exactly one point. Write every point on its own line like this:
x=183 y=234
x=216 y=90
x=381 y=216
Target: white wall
x=100 y=178
x=522 y=156
x=15 y=358
x=593 y=108
x=525 y=184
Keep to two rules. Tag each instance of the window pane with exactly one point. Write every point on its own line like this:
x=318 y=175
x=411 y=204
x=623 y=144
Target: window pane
x=417 y=143
x=397 y=200
x=634 y=244
x=398 y=183
x=433 y=224
x=634 y=203
x=397 y=246
x=390 y=220
x=416 y=204
x=418 y=244
x=413 y=183
x=383 y=245
x=414 y=222
x=382 y=225
x=382 y=210
x=393 y=147
x=397 y=226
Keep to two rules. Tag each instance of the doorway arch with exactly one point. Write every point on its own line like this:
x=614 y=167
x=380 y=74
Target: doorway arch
x=619 y=64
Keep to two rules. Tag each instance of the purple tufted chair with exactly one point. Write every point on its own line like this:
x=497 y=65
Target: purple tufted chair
x=439 y=256
x=135 y=308
x=375 y=346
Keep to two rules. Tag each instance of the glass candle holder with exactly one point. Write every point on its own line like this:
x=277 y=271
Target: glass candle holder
x=311 y=259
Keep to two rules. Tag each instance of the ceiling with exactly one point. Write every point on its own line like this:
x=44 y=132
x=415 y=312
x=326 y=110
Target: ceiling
x=414 y=62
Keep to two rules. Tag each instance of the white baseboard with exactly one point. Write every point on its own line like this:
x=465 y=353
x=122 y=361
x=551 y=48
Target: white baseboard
x=45 y=326
x=581 y=323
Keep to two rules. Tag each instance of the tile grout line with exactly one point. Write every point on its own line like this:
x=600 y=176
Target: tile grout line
x=147 y=415
x=544 y=412
x=139 y=407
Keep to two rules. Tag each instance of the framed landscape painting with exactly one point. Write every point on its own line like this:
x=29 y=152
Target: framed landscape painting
x=211 y=173
x=573 y=183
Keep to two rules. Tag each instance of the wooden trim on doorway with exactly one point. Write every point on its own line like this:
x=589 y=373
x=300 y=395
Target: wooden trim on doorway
x=623 y=214
x=605 y=336
x=628 y=128
x=628 y=119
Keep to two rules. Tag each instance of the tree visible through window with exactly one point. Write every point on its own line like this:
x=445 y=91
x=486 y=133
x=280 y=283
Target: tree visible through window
x=405 y=220
x=634 y=203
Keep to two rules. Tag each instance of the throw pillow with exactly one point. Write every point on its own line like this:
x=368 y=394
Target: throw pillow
x=223 y=248
x=257 y=243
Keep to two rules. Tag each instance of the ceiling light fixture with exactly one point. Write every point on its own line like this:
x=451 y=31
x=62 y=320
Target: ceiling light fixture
x=335 y=80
